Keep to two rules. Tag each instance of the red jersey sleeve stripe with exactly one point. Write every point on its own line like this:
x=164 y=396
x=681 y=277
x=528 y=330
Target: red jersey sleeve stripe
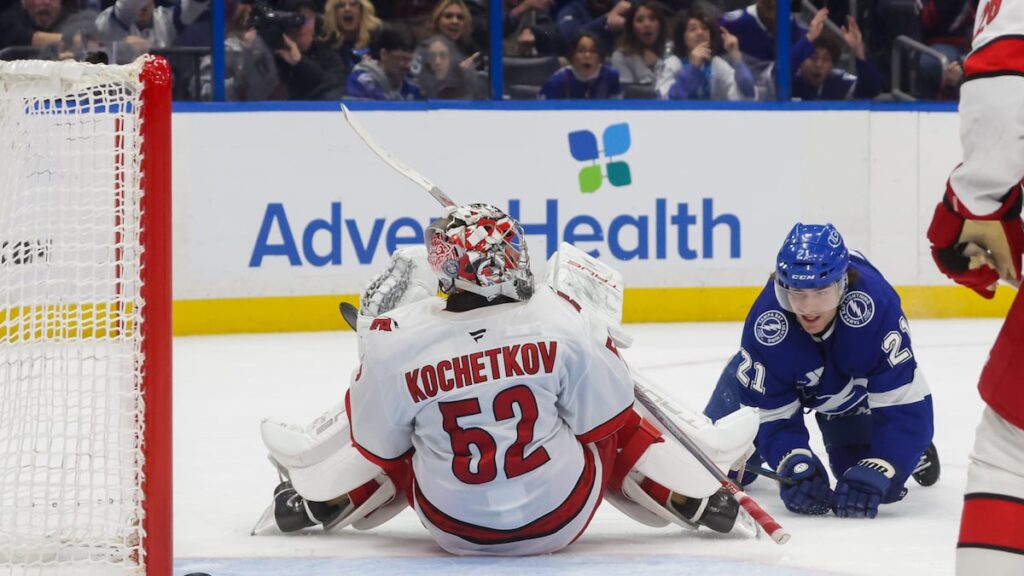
x=602 y=431
x=546 y=525
x=992 y=521
x=1003 y=56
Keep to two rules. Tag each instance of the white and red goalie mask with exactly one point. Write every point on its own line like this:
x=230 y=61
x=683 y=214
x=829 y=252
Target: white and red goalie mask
x=480 y=249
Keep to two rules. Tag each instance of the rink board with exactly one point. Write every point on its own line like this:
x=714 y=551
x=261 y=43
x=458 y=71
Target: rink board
x=281 y=214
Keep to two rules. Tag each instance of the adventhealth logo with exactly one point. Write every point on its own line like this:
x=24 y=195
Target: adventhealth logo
x=688 y=230
x=583 y=146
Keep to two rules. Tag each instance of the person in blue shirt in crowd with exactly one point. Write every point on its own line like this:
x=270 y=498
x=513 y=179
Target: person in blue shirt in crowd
x=586 y=77
x=601 y=17
x=754 y=26
x=707 y=64
x=818 y=79
x=385 y=76
x=828 y=335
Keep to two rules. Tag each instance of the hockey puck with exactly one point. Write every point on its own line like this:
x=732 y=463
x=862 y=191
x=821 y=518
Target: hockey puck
x=197 y=574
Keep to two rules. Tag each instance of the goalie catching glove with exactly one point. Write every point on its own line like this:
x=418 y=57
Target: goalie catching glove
x=406 y=279
x=954 y=232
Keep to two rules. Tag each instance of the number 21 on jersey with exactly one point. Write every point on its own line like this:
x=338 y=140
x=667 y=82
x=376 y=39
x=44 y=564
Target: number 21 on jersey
x=755 y=382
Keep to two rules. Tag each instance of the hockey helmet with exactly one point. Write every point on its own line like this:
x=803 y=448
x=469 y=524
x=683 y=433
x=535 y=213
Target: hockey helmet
x=480 y=249
x=811 y=266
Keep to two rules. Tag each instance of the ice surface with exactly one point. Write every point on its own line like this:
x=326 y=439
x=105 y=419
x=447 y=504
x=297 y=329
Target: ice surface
x=224 y=385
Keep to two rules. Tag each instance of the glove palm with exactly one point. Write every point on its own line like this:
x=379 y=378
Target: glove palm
x=954 y=233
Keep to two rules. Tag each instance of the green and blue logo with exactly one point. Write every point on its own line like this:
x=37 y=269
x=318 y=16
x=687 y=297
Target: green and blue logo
x=583 y=147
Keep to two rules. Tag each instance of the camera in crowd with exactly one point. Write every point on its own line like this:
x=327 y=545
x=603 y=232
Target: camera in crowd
x=271 y=24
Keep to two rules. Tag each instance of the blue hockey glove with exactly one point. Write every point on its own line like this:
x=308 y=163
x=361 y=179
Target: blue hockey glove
x=810 y=493
x=861 y=488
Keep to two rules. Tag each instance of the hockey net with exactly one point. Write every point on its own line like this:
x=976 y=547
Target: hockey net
x=85 y=318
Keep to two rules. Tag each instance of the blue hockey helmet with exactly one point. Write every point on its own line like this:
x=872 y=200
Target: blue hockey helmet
x=813 y=256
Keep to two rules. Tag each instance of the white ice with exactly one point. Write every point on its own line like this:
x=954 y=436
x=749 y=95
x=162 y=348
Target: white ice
x=224 y=385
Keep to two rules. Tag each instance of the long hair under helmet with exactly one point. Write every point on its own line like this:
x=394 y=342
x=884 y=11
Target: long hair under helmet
x=813 y=258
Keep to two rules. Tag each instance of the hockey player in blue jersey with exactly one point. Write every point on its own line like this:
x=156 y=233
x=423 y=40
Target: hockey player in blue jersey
x=827 y=334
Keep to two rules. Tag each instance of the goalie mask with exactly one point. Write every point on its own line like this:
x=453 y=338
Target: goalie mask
x=480 y=249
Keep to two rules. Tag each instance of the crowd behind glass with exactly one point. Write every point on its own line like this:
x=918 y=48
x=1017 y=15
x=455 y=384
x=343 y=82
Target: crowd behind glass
x=550 y=49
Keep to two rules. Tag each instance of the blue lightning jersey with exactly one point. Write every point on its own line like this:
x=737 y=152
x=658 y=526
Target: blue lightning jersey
x=860 y=377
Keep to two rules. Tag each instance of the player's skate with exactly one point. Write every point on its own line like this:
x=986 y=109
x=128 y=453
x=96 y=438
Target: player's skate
x=927 y=471
x=719 y=512
x=293 y=512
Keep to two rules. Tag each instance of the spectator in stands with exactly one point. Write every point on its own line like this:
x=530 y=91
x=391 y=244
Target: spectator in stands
x=441 y=77
x=707 y=64
x=529 y=29
x=31 y=23
x=451 y=18
x=640 y=56
x=309 y=68
x=385 y=76
x=586 y=77
x=597 y=16
x=250 y=72
x=946 y=26
x=818 y=79
x=755 y=26
x=350 y=27
x=139 y=25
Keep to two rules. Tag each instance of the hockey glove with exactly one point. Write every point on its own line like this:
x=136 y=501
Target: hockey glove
x=955 y=233
x=810 y=492
x=860 y=490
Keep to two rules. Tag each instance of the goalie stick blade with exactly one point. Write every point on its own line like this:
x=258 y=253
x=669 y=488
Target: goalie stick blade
x=350 y=314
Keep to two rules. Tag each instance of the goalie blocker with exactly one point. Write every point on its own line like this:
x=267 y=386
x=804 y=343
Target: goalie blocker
x=652 y=481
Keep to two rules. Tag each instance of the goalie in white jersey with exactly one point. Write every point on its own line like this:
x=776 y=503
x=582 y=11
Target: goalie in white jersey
x=503 y=414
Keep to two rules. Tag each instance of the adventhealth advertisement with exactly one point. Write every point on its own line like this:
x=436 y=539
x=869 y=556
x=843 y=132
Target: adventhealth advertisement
x=283 y=204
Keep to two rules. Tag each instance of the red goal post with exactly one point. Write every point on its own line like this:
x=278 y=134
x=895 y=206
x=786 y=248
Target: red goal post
x=85 y=318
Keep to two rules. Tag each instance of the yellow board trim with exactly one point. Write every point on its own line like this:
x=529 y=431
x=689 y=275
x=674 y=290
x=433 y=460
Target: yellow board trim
x=53 y=322
x=315 y=313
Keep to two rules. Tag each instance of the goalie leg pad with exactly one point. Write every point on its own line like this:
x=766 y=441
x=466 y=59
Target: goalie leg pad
x=319 y=458
x=727 y=442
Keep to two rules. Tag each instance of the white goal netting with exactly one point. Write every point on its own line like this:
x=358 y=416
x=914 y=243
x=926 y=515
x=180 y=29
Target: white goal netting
x=71 y=402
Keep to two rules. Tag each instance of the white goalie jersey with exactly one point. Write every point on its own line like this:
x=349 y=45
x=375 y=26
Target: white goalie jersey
x=495 y=405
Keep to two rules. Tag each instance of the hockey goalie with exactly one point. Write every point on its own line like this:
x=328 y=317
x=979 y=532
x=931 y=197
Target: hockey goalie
x=503 y=413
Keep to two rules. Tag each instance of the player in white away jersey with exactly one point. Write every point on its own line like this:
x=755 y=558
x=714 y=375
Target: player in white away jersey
x=503 y=414
x=977 y=238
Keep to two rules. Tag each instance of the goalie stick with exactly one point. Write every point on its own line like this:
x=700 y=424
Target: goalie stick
x=763 y=519
x=350 y=314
